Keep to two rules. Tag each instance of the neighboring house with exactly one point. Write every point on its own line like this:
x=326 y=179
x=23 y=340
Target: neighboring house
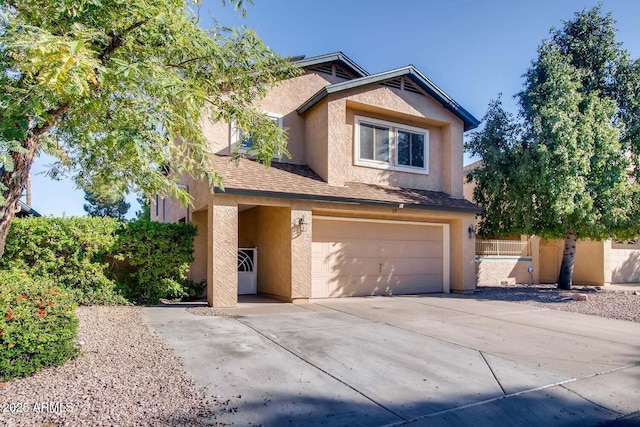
x=370 y=202
x=597 y=262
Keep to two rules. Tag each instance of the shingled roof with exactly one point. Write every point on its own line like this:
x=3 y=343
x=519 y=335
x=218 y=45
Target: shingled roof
x=289 y=181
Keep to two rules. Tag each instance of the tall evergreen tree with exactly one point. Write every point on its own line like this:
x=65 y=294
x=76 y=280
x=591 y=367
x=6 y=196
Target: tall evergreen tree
x=567 y=169
x=100 y=206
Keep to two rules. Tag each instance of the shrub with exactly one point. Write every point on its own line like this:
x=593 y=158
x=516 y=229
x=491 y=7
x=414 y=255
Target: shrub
x=67 y=250
x=193 y=290
x=38 y=326
x=157 y=258
x=103 y=260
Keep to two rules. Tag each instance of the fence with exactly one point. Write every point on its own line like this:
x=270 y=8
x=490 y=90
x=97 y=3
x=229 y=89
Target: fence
x=503 y=247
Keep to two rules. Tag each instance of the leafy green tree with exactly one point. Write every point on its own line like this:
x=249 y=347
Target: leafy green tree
x=144 y=214
x=112 y=88
x=566 y=169
x=101 y=206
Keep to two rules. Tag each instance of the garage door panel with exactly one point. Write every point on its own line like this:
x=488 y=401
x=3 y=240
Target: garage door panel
x=385 y=285
x=363 y=258
x=417 y=266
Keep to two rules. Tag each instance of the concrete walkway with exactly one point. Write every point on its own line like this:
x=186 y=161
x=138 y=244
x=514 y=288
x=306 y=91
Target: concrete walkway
x=424 y=360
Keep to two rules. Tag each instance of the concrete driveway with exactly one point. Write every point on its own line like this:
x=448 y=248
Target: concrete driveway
x=423 y=360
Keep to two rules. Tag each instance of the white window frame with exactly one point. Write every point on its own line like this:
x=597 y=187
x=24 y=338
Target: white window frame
x=393 y=146
x=235 y=132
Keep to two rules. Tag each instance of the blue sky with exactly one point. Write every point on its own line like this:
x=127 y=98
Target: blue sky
x=472 y=49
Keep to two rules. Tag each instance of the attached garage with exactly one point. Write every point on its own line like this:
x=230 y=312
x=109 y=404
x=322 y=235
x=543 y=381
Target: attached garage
x=355 y=257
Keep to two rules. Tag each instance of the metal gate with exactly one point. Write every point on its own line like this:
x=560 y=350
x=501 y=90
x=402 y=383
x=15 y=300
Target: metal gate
x=247 y=271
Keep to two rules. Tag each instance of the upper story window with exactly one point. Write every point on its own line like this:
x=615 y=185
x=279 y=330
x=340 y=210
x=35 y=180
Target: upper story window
x=388 y=145
x=243 y=142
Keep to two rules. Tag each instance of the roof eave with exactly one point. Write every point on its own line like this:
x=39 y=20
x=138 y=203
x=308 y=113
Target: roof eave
x=344 y=200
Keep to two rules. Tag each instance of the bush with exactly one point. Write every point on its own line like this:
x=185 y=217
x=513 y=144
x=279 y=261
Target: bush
x=103 y=260
x=38 y=327
x=193 y=290
x=67 y=250
x=157 y=258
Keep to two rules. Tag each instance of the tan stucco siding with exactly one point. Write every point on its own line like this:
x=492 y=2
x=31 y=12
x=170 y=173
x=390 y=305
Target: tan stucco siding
x=282 y=100
x=316 y=139
x=589 y=268
x=198 y=270
x=493 y=271
x=170 y=210
x=623 y=264
x=445 y=138
x=301 y=251
x=222 y=257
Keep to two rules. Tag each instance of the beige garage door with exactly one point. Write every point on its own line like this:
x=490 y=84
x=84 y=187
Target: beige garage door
x=352 y=258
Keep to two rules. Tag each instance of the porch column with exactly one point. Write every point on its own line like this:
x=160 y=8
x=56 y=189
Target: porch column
x=301 y=253
x=222 y=261
x=463 y=257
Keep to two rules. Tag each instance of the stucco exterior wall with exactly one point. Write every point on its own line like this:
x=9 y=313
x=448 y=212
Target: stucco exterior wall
x=222 y=256
x=198 y=270
x=589 y=268
x=623 y=263
x=283 y=100
x=445 y=138
x=316 y=139
x=495 y=270
x=301 y=251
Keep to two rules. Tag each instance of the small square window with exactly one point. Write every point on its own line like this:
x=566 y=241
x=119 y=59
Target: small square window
x=410 y=149
x=374 y=142
x=244 y=142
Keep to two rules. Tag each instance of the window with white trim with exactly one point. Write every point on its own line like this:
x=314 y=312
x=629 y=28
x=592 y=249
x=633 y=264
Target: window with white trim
x=244 y=142
x=387 y=145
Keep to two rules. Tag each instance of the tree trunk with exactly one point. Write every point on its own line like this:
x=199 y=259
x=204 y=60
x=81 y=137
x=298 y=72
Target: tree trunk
x=16 y=182
x=568 y=261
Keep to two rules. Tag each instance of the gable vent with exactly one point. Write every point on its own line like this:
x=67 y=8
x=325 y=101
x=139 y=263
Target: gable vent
x=409 y=86
x=395 y=83
x=323 y=68
x=340 y=72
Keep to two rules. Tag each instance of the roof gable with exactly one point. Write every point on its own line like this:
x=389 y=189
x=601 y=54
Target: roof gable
x=410 y=72
x=340 y=58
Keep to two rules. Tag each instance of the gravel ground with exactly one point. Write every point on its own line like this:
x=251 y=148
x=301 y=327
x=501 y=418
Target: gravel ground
x=622 y=305
x=124 y=376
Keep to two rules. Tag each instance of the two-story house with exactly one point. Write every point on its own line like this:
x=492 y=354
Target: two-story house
x=370 y=202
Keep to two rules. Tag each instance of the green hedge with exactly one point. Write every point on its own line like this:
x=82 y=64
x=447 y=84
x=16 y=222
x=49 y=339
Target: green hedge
x=67 y=250
x=38 y=326
x=103 y=260
x=156 y=259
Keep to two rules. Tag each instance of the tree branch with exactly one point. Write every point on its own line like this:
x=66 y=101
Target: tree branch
x=54 y=115
x=117 y=40
x=186 y=61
